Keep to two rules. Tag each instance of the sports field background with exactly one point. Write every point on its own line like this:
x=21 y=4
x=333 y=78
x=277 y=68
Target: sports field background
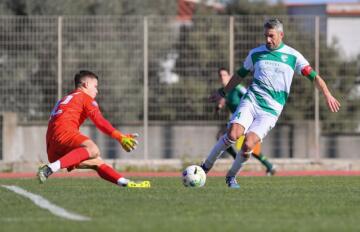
x=136 y=58
x=155 y=77
x=296 y=203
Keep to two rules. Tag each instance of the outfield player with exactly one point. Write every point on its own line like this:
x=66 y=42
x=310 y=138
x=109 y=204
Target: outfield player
x=273 y=66
x=231 y=101
x=67 y=147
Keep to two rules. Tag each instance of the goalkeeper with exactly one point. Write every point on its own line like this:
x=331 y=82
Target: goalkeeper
x=231 y=101
x=67 y=147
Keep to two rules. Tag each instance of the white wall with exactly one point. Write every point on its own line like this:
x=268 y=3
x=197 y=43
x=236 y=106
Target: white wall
x=347 y=31
x=27 y=143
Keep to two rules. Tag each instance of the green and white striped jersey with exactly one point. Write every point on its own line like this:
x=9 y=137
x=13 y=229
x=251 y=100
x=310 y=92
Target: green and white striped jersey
x=273 y=71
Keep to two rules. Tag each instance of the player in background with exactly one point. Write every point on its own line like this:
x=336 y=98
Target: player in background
x=231 y=101
x=273 y=66
x=67 y=147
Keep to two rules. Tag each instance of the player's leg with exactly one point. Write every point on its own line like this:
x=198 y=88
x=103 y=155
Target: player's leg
x=239 y=122
x=238 y=145
x=244 y=116
x=249 y=143
x=230 y=150
x=223 y=143
x=105 y=171
x=109 y=174
x=270 y=170
x=86 y=150
x=68 y=154
x=263 y=122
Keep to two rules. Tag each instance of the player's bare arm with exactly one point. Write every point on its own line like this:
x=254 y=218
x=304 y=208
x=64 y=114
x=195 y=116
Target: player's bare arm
x=221 y=104
x=234 y=81
x=332 y=103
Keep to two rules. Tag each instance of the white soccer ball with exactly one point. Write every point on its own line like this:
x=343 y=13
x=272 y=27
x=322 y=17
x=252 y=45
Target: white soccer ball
x=194 y=176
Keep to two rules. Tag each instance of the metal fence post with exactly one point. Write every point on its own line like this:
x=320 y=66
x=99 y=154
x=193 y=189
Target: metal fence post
x=59 y=62
x=317 y=113
x=146 y=86
x=231 y=44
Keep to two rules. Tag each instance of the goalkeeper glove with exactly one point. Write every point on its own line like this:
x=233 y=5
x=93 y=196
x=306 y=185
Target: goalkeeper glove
x=127 y=141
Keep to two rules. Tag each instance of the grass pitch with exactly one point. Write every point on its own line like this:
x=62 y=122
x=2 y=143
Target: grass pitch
x=262 y=204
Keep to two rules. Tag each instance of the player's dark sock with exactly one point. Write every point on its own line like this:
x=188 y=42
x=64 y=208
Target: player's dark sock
x=108 y=173
x=74 y=157
x=231 y=151
x=264 y=161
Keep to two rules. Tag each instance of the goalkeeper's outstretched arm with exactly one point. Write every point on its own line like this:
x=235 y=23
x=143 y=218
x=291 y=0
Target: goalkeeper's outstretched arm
x=127 y=141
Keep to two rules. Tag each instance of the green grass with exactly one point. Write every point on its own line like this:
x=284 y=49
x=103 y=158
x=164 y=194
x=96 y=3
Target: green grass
x=262 y=204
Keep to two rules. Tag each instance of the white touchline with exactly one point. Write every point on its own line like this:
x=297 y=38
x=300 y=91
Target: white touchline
x=45 y=204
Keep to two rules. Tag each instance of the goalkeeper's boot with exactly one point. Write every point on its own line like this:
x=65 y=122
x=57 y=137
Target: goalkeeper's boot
x=206 y=170
x=231 y=182
x=139 y=184
x=43 y=173
x=271 y=172
x=132 y=184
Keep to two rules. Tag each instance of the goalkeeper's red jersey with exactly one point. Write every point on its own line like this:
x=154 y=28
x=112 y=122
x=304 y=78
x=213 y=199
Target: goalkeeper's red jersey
x=72 y=110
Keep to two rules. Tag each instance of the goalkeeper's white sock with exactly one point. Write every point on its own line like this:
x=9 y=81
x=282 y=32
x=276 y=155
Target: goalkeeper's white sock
x=122 y=181
x=55 y=166
x=222 y=144
x=241 y=158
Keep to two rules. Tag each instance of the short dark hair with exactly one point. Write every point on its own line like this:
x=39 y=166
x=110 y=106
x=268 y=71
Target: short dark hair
x=81 y=75
x=222 y=69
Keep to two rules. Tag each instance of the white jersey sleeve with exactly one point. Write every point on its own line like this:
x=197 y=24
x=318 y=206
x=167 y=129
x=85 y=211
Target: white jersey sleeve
x=301 y=62
x=242 y=89
x=248 y=64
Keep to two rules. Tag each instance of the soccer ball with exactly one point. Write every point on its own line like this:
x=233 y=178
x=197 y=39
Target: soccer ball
x=194 y=176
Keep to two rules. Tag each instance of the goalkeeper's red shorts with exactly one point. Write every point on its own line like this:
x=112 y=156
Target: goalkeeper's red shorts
x=60 y=143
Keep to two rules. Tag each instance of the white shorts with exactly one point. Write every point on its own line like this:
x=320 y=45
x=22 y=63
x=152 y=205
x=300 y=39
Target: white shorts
x=253 y=119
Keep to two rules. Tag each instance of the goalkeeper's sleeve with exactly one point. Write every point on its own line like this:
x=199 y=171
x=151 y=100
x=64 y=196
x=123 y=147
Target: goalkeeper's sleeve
x=101 y=123
x=127 y=141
